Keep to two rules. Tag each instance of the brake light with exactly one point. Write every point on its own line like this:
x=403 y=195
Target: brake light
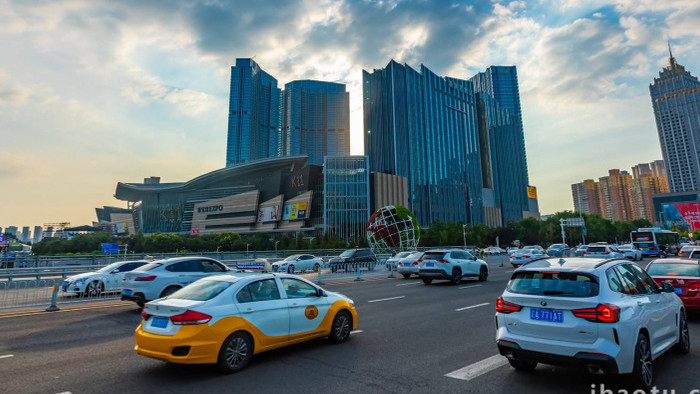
x=527 y=257
x=606 y=252
x=442 y=261
x=144 y=315
x=603 y=313
x=145 y=278
x=586 y=252
x=694 y=287
x=652 y=248
x=507 y=307
x=190 y=317
x=415 y=263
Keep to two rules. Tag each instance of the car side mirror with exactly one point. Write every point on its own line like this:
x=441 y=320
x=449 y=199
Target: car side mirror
x=115 y=271
x=474 y=258
x=667 y=288
x=320 y=293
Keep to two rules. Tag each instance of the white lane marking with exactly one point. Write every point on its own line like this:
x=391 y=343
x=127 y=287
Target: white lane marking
x=409 y=284
x=469 y=287
x=479 y=368
x=356 y=332
x=387 y=299
x=7 y=356
x=472 y=306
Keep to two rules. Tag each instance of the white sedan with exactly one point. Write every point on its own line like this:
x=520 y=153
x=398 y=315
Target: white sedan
x=631 y=252
x=298 y=262
x=525 y=256
x=107 y=278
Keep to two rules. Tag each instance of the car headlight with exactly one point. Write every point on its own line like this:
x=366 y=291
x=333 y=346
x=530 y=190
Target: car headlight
x=79 y=281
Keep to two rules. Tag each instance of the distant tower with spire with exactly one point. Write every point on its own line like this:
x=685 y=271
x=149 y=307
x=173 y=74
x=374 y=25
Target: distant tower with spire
x=675 y=97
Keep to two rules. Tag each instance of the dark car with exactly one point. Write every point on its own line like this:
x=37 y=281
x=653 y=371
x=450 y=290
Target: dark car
x=353 y=258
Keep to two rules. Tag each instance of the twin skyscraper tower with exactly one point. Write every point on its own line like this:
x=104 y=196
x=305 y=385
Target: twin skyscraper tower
x=459 y=143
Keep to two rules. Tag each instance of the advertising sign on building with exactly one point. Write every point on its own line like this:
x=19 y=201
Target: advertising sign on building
x=268 y=214
x=295 y=211
x=108 y=248
x=684 y=216
x=531 y=192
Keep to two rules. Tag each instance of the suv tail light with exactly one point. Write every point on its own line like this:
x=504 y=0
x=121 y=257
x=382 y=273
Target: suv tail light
x=442 y=261
x=415 y=263
x=694 y=287
x=145 y=278
x=506 y=307
x=603 y=313
x=526 y=256
x=606 y=252
x=190 y=317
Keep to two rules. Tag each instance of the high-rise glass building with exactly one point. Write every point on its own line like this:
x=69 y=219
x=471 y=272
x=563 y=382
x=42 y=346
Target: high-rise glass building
x=346 y=196
x=315 y=120
x=423 y=126
x=253 y=117
x=675 y=96
x=458 y=142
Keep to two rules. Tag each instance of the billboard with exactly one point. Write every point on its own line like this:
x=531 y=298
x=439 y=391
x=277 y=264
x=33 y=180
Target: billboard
x=531 y=192
x=684 y=216
x=295 y=211
x=268 y=214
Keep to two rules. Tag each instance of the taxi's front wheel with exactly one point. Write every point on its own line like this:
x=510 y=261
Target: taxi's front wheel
x=340 y=330
x=236 y=352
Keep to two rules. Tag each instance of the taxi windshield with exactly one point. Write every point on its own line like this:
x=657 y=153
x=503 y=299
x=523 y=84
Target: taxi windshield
x=201 y=291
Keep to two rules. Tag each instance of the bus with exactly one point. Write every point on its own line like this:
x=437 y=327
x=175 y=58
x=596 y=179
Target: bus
x=656 y=242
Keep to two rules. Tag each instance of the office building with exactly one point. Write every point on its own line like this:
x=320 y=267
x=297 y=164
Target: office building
x=675 y=97
x=586 y=197
x=253 y=119
x=656 y=168
x=642 y=191
x=346 y=196
x=26 y=235
x=315 y=120
x=38 y=234
x=616 y=201
x=459 y=147
x=11 y=230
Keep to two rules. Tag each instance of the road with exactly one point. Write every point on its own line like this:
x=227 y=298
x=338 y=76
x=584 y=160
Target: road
x=410 y=336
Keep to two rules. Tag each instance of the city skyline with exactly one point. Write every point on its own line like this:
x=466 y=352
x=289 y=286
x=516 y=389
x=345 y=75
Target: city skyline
x=95 y=93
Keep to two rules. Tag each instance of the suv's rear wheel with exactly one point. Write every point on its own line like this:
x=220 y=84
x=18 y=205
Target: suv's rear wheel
x=427 y=281
x=523 y=365
x=643 y=373
x=456 y=276
x=406 y=276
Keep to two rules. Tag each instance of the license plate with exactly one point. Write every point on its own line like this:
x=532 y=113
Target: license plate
x=518 y=258
x=159 y=322
x=430 y=264
x=126 y=292
x=678 y=290
x=547 y=315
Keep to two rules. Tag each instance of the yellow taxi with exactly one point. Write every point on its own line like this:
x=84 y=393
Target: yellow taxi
x=226 y=319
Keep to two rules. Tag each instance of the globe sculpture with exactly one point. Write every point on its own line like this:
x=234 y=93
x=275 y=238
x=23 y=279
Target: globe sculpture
x=393 y=228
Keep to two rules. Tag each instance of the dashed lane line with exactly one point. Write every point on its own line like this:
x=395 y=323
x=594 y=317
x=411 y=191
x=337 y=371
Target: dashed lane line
x=409 y=284
x=356 y=332
x=479 y=368
x=7 y=356
x=387 y=299
x=471 y=306
x=469 y=287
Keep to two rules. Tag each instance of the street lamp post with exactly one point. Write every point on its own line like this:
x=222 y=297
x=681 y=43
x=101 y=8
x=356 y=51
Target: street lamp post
x=246 y=250
x=276 y=242
x=217 y=252
x=464 y=235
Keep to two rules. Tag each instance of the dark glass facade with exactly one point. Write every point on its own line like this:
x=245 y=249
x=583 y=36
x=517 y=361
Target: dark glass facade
x=253 y=117
x=675 y=96
x=459 y=143
x=346 y=196
x=315 y=120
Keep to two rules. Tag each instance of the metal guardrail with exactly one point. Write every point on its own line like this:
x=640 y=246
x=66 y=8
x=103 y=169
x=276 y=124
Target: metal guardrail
x=41 y=286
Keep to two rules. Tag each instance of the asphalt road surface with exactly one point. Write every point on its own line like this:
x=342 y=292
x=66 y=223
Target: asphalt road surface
x=411 y=338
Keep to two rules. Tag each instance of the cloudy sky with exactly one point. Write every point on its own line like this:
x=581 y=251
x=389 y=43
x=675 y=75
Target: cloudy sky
x=97 y=92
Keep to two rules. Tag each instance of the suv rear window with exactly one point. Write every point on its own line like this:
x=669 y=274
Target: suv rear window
x=433 y=255
x=596 y=249
x=564 y=284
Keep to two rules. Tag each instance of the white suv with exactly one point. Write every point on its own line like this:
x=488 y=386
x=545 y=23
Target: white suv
x=604 y=251
x=607 y=316
x=451 y=264
x=161 y=278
